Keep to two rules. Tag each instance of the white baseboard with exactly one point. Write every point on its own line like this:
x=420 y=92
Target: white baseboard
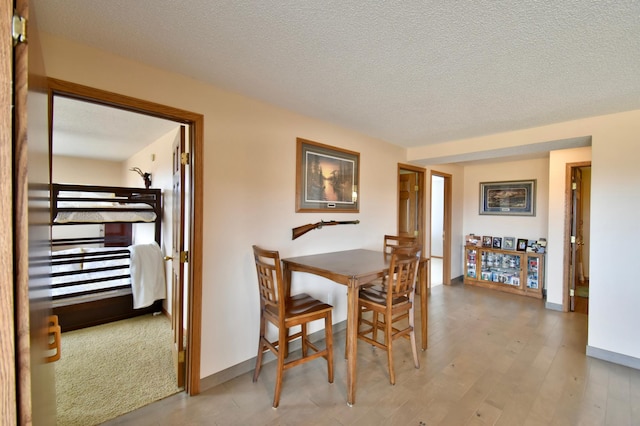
x=614 y=357
x=554 y=306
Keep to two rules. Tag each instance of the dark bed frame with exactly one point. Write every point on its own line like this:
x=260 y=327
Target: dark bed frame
x=88 y=308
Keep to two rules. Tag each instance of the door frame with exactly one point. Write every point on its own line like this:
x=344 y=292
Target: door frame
x=195 y=122
x=446 y=244
x=421 y=172
x=569 y=247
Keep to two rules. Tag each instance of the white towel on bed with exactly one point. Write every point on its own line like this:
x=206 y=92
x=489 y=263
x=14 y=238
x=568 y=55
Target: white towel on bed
x=147 y=274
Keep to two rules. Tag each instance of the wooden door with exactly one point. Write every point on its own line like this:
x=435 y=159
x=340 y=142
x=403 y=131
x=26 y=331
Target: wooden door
x=408 y=225
x=35 y=379
x=8 y=362
x=576 y=274
x=179 y=257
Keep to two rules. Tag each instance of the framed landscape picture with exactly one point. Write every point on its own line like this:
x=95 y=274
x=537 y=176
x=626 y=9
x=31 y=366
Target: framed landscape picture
x=509 y=198
x=326 y=178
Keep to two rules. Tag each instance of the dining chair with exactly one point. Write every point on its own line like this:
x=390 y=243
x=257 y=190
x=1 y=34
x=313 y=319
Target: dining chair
x=395 y=302
x=285 y=312
x=393 y=241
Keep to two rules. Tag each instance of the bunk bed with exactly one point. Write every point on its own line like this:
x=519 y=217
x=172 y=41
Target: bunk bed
x=91 y=271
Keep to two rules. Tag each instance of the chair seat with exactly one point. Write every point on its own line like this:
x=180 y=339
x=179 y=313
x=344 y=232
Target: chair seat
x=301 y=305
x=378 y=295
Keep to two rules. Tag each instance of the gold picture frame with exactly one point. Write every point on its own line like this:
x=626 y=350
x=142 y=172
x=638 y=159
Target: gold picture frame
x=327 y=178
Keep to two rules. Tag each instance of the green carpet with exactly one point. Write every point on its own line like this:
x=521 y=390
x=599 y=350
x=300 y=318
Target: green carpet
x=112 y=369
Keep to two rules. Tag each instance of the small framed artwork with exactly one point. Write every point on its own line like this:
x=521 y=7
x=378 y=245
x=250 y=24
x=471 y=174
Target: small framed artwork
x=497 y=242
x=326 y=178
x=522 y=244
x=510 y=198
x=487 y=241
x=509 y=243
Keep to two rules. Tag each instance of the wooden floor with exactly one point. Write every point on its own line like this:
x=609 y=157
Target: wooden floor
x=493 y=358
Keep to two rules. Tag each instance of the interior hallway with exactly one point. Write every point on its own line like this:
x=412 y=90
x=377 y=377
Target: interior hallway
x=493 y=358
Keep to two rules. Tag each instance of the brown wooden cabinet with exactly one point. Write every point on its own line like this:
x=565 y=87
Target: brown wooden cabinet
x=505 y=270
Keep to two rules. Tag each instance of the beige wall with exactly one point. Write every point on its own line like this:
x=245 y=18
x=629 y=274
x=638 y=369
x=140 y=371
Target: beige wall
x=528 y=227
x=249 y=171
x=84 y=171
x=614 y=204
x=249 y=187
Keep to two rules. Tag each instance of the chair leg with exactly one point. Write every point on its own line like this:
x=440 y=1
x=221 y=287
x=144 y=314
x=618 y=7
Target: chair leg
x=412 y=335
x=388 y=340
x=282 y=339
x=303 y=329
x=261 y=349
x=328 y=327
x=374 y=325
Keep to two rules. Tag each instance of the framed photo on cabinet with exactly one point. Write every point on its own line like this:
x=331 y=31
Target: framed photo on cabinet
x=509 y=243
x=497 y=242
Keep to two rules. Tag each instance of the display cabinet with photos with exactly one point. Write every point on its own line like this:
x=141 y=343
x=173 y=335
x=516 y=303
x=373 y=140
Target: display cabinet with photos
x=505 y=270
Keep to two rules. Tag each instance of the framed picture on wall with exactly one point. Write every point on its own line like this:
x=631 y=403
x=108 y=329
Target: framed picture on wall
x=327 y=178
x=509 y=198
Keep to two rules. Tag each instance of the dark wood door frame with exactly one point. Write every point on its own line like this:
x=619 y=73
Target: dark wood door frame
x=195 y=122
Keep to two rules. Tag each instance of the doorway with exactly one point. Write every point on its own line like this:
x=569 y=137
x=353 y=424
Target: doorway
x=577 y=222
x=411 y=205
x=194 y=124
x=440 y=228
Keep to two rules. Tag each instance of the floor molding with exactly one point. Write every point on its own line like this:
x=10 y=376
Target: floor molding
x=616 y=358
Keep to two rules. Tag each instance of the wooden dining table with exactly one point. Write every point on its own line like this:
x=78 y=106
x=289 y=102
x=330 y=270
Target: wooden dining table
x=353 y=268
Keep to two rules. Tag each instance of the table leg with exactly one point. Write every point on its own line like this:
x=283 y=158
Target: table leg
x=352 y=340
x=423 y=302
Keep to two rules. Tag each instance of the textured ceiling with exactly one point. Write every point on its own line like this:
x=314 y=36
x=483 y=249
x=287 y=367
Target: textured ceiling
x=83 y=129
x=409 y=72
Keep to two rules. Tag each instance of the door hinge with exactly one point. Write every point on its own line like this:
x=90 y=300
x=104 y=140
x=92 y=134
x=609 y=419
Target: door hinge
x=415 y=233
x=181 y=356
x=19 y=29
x=573 y=239
x=184 y=256
x=571 y=292
x=574 y=186
x=184 y=158
x=416 y=188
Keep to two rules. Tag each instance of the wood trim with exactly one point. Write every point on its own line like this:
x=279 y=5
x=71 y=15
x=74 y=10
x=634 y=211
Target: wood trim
x=8 y=405
x=195 y=272
x=195 y=122
x=421 y=171
x=567 y=231
x=446 y=247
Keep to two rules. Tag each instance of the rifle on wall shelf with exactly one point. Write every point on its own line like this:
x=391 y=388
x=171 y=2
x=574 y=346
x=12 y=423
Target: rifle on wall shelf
x=301 y=230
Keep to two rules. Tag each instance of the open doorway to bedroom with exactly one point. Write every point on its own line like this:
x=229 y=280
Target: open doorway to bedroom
x=87 y=150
